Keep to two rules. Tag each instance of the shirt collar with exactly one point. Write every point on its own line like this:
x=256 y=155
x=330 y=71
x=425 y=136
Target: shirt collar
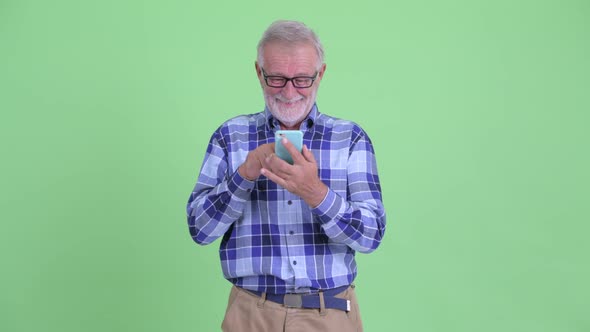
x=306 y=124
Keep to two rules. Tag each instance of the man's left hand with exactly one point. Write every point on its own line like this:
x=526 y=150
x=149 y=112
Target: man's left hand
x=301 y=178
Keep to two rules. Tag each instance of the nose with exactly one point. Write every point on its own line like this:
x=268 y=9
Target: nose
x=289 y=91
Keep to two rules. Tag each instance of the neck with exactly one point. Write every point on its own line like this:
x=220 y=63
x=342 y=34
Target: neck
x=293 y=127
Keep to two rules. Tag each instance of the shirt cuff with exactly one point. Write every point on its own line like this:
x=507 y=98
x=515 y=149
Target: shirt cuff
x=329 y=208
x=239 y=186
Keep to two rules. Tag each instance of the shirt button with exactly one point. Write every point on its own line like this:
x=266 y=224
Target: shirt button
x=294 y=262
x=291 y=232
x=289 y=202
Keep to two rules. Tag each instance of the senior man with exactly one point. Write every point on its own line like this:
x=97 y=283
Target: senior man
x=289 y=232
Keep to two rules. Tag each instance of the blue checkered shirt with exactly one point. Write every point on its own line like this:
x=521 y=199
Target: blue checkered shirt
x=272 y=241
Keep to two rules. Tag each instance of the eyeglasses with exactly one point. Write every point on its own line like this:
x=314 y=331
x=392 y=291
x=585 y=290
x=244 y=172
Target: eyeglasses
x=280 y=81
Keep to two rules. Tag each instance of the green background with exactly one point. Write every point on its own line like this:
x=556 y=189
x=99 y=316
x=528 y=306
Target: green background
x=478 y=111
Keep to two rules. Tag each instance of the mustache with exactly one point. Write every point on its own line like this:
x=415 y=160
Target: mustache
x=287 y=100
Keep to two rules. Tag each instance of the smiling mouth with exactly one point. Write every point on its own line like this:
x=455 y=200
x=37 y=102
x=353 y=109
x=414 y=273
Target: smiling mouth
x=289 y=102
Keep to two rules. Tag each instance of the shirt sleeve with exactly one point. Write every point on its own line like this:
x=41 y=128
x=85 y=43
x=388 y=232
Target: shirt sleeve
x=357 y=220
x=219 y=198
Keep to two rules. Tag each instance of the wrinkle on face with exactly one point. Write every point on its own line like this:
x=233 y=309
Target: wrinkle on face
x=290 y=105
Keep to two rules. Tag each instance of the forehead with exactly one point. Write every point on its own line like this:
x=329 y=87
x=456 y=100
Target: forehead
x=298 y=58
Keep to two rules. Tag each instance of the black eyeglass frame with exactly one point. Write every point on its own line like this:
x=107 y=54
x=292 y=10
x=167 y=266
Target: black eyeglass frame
x=292 y=79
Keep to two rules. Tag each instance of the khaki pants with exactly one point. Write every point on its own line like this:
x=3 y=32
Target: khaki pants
x=247 y=312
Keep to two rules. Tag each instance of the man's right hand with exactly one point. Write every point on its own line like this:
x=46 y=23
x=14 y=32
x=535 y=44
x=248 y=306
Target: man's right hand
x=250 y=169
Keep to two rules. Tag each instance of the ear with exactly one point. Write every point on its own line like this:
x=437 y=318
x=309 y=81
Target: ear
x=259 y=74
x=322 y=71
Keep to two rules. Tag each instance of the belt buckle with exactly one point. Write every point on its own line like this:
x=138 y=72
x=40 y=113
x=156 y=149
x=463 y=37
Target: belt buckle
x=293 y=301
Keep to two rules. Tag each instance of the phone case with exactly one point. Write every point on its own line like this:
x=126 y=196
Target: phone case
x=294 y=136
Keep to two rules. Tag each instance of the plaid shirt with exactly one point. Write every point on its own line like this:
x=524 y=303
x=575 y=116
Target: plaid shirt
x=272 y=241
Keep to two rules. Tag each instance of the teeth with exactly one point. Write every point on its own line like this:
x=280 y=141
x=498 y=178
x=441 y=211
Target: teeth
x=288 y=101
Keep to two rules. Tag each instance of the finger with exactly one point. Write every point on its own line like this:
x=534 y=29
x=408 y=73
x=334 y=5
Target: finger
x=296 y=155
x=266 y=149
x=277 y=165
x=273 y=177
x=269 y=147
x=267 y=161
x=308 y=155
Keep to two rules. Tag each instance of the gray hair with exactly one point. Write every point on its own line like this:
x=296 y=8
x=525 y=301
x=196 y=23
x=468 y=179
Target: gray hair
x=289 y=32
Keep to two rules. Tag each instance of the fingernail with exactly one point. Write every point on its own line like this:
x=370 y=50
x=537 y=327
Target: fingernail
x=284 y=140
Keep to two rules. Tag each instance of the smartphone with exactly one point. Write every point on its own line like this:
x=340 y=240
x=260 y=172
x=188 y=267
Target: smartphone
x=294 y=136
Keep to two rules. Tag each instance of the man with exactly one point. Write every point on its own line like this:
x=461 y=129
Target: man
x=289 y=232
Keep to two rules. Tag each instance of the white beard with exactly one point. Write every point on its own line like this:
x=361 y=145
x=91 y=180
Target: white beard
x=289 y=112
